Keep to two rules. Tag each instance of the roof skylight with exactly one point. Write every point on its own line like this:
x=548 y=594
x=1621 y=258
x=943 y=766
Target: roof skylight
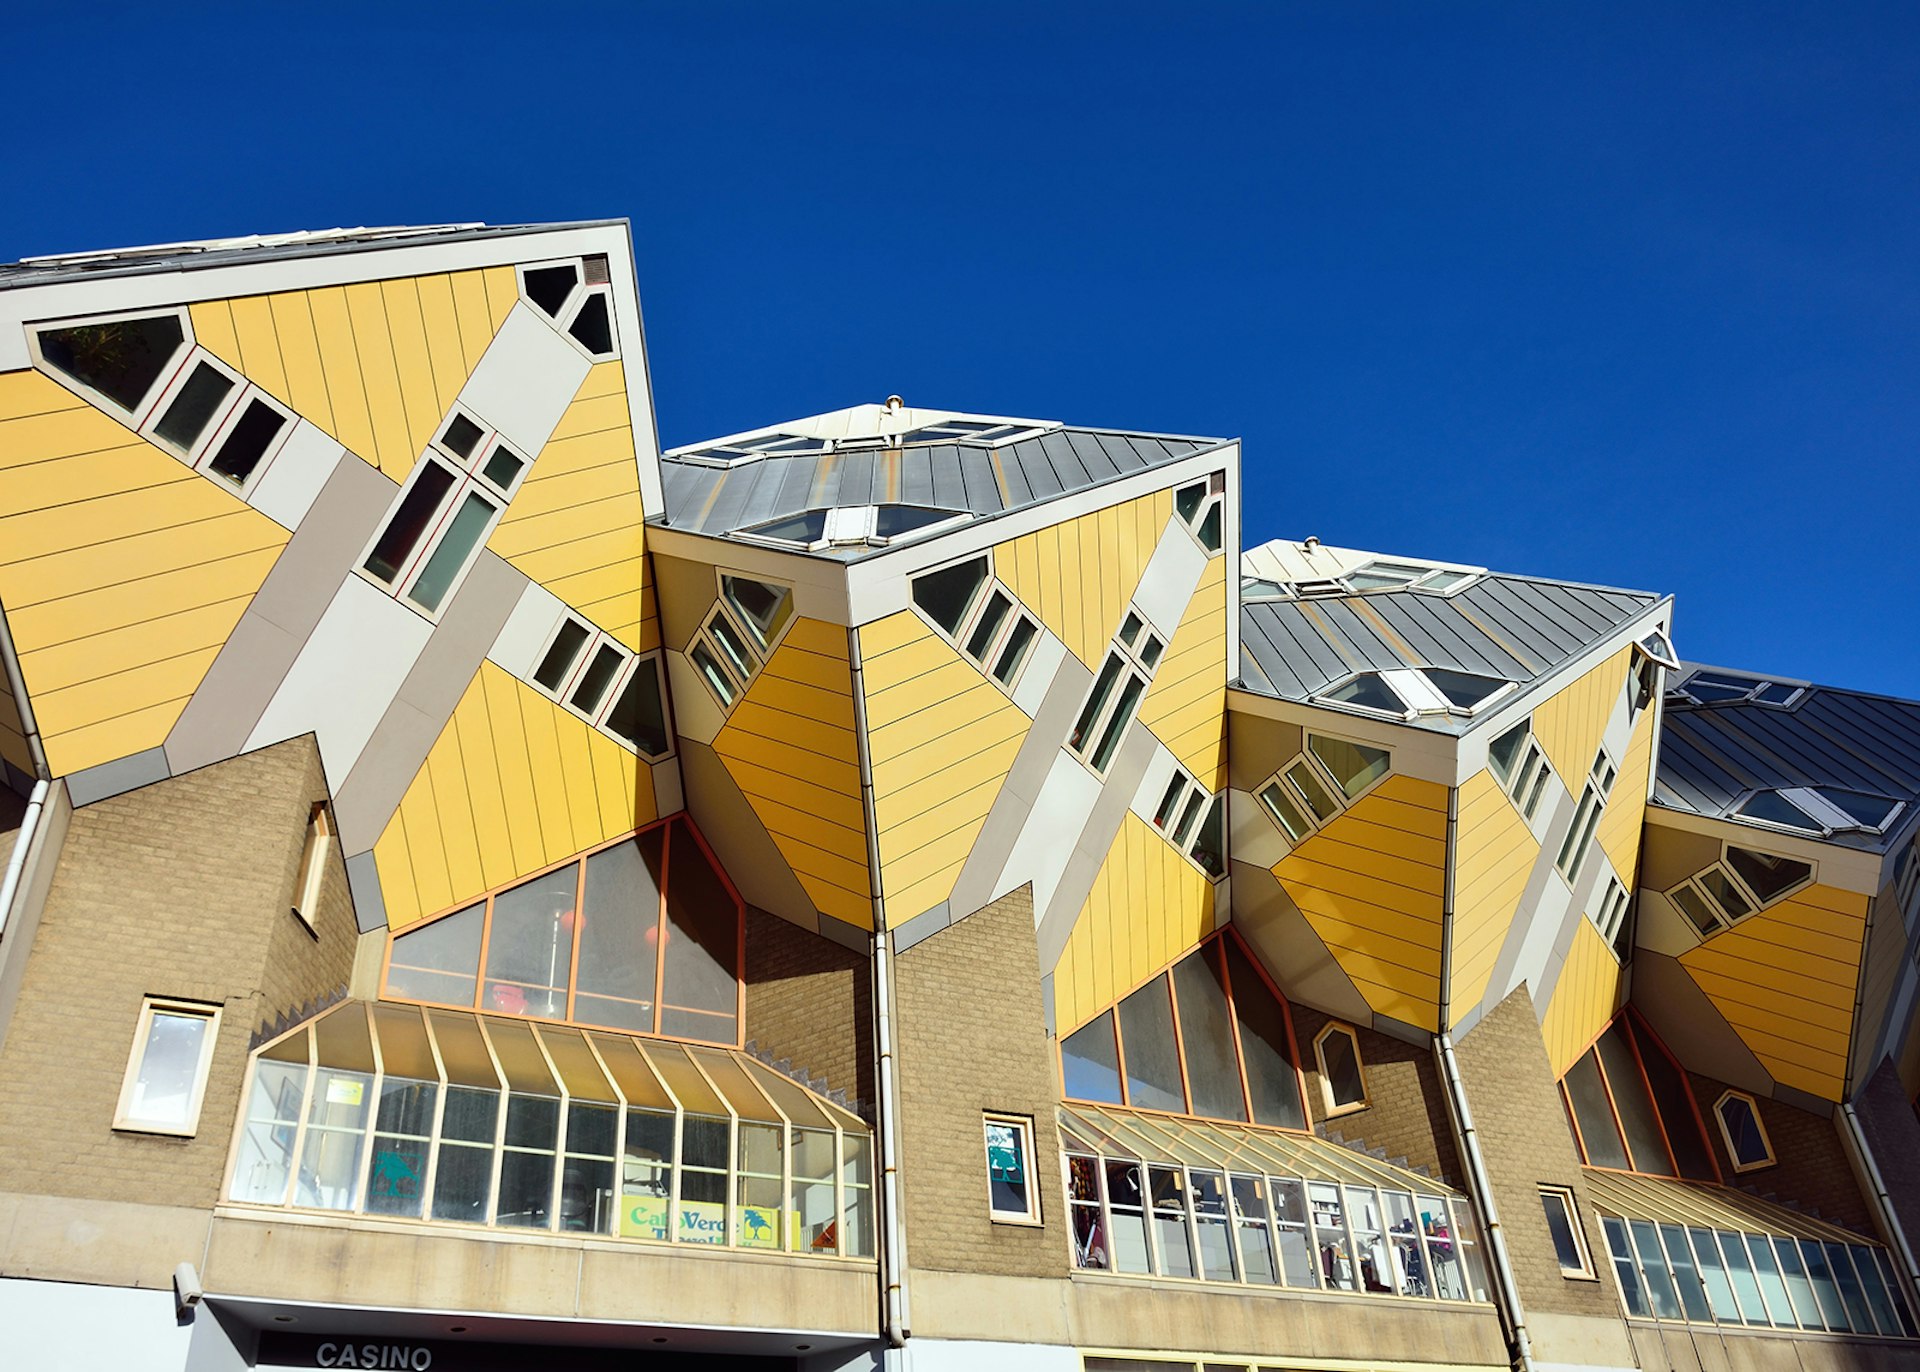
x=1407 y=693
x=1731 y=688
x=853 y=526
x=1378 y=575
x=1819 y=810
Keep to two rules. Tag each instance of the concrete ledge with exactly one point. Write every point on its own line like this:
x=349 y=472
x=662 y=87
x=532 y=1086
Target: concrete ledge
x=101 y=1243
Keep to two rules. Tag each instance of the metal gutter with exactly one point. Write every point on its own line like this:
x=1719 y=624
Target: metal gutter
x=17 y=685
x=1882 y=1201
x=17 y=862
x=1520 y=1347
x=895 y=1311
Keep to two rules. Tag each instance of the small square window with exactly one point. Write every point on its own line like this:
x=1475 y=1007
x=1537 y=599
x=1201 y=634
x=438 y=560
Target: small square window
x=167 y=1070
x=1563 y=1223
x=1011 y=1190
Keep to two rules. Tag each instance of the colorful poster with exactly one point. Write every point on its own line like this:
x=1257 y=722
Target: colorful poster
x=645 y=1217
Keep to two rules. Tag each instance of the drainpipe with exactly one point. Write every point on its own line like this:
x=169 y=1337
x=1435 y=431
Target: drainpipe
x=1521 y=1346
x=17 y=863
x=1881 y=1200
x=893 y=1266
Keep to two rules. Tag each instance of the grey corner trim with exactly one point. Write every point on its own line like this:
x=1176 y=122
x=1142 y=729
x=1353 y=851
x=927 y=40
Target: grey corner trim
x=1046 y=1005
x=1463 y=1024
x=363 y=883
x=1400 y=1029
x=922 y=926
x=846 y=935
x=1802 y=1100
x=116 y=778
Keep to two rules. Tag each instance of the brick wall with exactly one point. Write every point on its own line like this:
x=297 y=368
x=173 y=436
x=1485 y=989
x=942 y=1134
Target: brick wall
x=1406 y=1111
x=810 y=1001
x=1812 y=1172
x=971 y=1038
x=1526 y=1142
x=180 y=889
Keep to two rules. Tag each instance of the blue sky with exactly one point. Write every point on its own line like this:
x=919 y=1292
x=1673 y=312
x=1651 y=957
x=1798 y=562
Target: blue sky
x=1625 y=293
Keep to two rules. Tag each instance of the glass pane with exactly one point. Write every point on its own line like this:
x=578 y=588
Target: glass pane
x=592 y=327
x=1824 y=1287
x=438 y=961
x=530 y=947
x=1594 y=1114
x=638 y=715
x=1743 y=1129
x=701 y=997
x=1117 y=722
x=460 y=436
x=121 y=360
x=586 y=1195
x=1007 y=1168
x=619 y=934
x=1675 y=1102
x=1286 y=812
x=1096 y=701
x=1207 y=849
x=1146 y=1036
x=592 y=687
x=1724 y=892
x=169 y=1065
x=1169 y=1211
x=1463 y=690
x=1560 y=1226
x=450 y=558
x=396 y=1183
x=1187 y=500
x=193 y=406
x=1767 y=876
x=409 y=522
x=984 y=628
x=1875 y=1290
x=1850 y=1291
x=1653 y=1268
x=549 y=287
x=1014 y=652
x=763 y=608
x=1354 y=766
x=1504 y=752
x=247 y=442
x=463 y=1050
x=1409 y=1263
x=463 y=1183
x=1713 y=1275
x=1767 y=1271
x=265 y=1159
x=1869 y=812
x=1090 y=1063
x=1341 y=1062
x=1695 y=908
x=580 y=1073
x=1638 y=1119
x=1330 y=1229
x=1693 y=1295
x=1210 y=530
x=1297 y=1258
x=1775 y=808
x=1632 y=1292
x=526 y=1188
x=1449 y=1283
x=946 y=595
x=1213 y=1068
x=1368 y=692
x=1256 y=1245
x=1307 y=783
x=1125 y=1204
x=1264 y=1045
x=559 y=658
x=1210 y=1226
x=336 y=1132
x=1746 y=1288
x=1794 y=1271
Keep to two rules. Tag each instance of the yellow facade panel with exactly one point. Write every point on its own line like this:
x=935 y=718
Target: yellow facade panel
x=307 y=383
x=469 y=290
x=1621 y=823
x=380 y=374
x=412 y=364
x=259 y=342
x=1571 y=723
x=1583 y=1000
x=340 y=363
x=1188 y=699
x=114 y=717
x=1077 y=576
x=1494 y=857
x=1148 y=906
x=446 y=355
x=503 y=293
x=213 y=330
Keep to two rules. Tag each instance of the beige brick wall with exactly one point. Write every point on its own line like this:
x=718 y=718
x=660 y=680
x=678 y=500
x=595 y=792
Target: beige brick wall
x=811 y=1001
x=1406 y=1113
x=180 y=889
x=1525 y=1139
x=1812 y=1172
x=971 y=1038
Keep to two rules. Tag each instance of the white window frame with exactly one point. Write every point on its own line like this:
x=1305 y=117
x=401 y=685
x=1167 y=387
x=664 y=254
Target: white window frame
x=855 y=526
x=569 y=305
x=1136 y=652
x=1755 y=685
x=1023 y=1128
x=1420 y=696
x=206 y=446
x=1827 y=818
x=169 y=370
x=742 y=621
x=1579 y=841
x=735 y=620
x=1181 y=817
x=990 y=659
x=637 y=663
x=123 y=1120
x=1610 y=915
x=1526 y=785
x=570 y=314
x=1292 y=791
x=1722 y=917
x=1564 y=1195
x=1346 y=1031
x=1726 y=1134
x=313 y=866
x=1213 y=493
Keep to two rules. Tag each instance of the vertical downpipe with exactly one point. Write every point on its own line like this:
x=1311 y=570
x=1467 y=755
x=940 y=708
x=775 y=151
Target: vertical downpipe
x=17 y=686
x=1882 y=1201
x=895 y=1317
x=17 y=861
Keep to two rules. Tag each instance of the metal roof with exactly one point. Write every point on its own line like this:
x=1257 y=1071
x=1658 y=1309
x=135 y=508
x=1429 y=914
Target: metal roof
x=220 y=252
x=1714 y=755
x=1633 y=1196
x=974 y=479
x=1513 y=627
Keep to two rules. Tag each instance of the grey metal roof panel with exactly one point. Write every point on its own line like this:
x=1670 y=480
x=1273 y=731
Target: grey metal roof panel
x=1713 y=756
x=1515 y=628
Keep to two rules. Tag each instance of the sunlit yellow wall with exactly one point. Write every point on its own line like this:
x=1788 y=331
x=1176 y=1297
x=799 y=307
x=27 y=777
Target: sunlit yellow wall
x=1494 y=856
x=1584 y=999
x=1570 y=724
x=1618 y=832
x=513 y=784
x=1078 y=576
x=576 y=524
x=941 y=738
x=789 y=746
x=122 y=572
x=1148 y=906
x=375 y=364
x=1784 y=979
x=1371 y=884
x=1186 y=705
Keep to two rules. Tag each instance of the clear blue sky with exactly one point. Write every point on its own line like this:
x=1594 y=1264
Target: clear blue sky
x=1625 y=293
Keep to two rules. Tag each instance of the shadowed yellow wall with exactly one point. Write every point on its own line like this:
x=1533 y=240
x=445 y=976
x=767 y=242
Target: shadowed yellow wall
x=121 y=569
x=1494 y=856
x=1186 y=707
x=1618 y=832
x=374 y=364
x=13 y=736
x=1148 y=906
x=789 y=746
x=513 y=784
x=1584 y=999
x=1784 y=979
x=1371 y=884
x=940 y=738
x=1571 y=723
x=1077 y=576
x=577 y=525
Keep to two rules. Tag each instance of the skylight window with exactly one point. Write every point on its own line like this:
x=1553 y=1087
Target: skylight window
x=973 y=432
x=1820 y=810
x=1408 y=692
x=1732 y=688
x=854 y=526
x=1381 y=574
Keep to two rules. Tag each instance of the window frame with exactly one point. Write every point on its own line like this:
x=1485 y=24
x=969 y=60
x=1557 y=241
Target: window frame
x=1726 y=678
x=1578 y=844
x=1531 y=771
x=1826 y=818
x=207 y=444
x=312 y=872
x=990 y=659
x=125 y=1123
x=1135 y=654
x=1550 y=1192
x=1347 y=1031
x=1726 y=1134
x=1723 y=918
x=1022 y=1125
x=171 y=369
x=1183 y=799
x=1281 y=780
x=1412 y=688
x=757 y=654
x=1613 y=919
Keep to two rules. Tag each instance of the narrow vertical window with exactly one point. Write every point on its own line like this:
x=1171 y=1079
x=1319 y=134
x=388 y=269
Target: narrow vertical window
x=1012 y=1194
x=313 y=865
x=1563 y=1223
x=1338 y=1049
x=1743 y=1133
x=167 y=1071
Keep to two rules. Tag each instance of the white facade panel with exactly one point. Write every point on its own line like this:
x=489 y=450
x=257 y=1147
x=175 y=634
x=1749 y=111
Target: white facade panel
x=292 y=481
x=525 y=381
x=1167 y=585
x=524 y=636
x=1047 y=842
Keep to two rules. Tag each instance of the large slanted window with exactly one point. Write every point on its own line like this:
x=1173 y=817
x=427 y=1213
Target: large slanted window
x=594 y=675
x=1314 y=788
x=739 y=634
x=1116 y=693
x=1586 y=817
x=1519 y=764
x=1743 y=882
x=1632 y=1109
x=643 y=935
x=1233 y=1056
x=452 y=1117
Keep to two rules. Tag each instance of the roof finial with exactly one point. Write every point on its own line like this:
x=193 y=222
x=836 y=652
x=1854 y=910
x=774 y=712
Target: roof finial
x=895 y=404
